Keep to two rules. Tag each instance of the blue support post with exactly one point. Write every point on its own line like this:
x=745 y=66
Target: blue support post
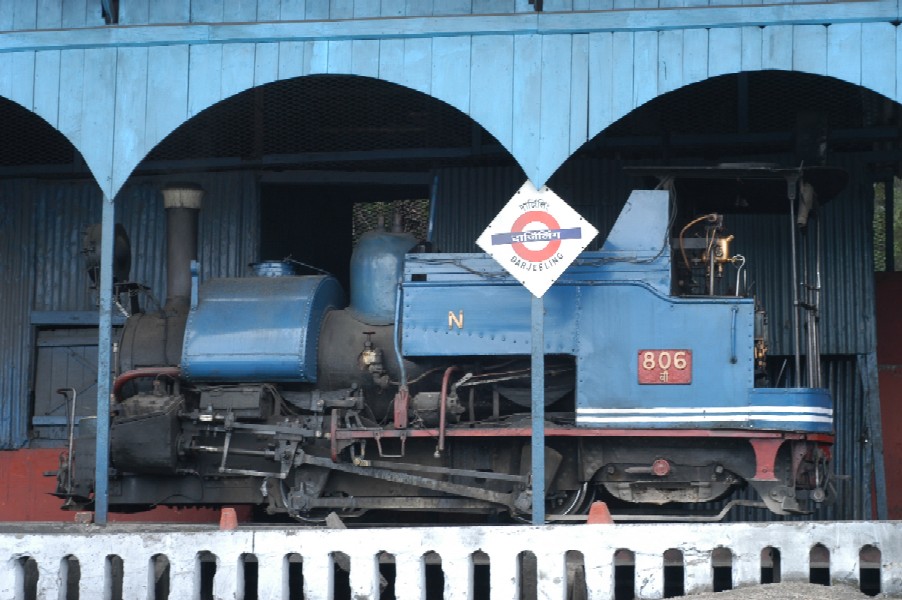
x=102 y=462
x=538 y=411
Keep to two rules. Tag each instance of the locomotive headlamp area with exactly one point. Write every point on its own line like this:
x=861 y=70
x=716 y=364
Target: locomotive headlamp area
x=415 y=396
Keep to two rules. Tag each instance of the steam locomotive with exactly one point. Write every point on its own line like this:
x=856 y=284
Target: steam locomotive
x=274 y=391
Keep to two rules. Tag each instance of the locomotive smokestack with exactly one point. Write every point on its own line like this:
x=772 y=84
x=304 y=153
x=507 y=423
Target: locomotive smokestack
x=182 y=204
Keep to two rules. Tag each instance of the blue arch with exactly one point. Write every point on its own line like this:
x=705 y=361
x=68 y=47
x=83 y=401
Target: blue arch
x=542 y=96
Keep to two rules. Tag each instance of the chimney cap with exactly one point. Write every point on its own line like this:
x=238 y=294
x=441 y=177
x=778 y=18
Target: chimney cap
x=182 y=195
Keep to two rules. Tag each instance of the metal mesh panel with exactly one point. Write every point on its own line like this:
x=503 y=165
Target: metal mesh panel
x=777 y=102
x=414 y=216
x=319 y=114
x=29 y=140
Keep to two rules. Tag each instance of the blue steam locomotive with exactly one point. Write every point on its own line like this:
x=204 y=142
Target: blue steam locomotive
x=272 y=390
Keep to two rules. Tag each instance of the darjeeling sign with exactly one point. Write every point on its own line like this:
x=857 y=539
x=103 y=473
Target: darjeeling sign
x=536 y=236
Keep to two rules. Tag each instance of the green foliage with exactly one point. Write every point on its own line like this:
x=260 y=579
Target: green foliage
x=881 y=249
x=414 y=217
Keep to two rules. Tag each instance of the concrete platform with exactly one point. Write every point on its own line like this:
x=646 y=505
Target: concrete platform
x=192 y=561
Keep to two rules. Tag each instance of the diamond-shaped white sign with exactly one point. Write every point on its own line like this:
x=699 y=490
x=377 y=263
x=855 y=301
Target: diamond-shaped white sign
x=536 y=236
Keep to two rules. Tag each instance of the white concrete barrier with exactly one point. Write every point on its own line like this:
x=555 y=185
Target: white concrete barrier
x=257 y=561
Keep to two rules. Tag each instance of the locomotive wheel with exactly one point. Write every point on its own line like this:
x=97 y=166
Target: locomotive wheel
x=575 y=502
x=316 y=516
x=310 y=482
x=319 y=516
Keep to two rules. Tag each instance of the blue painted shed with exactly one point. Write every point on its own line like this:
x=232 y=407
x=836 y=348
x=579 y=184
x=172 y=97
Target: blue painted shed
x=288 y=112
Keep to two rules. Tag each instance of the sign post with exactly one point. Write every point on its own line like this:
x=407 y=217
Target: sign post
x=538 y=410
x=535 y=237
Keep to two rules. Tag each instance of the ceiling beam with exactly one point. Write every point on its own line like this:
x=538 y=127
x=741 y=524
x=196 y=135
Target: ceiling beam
x=544 y=23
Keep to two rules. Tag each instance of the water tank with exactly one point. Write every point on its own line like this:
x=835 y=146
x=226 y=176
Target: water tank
x=258 y=328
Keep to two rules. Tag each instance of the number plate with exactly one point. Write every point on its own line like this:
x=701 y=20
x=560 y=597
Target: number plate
x=663 y=367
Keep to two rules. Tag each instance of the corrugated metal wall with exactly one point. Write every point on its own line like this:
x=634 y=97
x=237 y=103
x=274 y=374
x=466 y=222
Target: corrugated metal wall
x=852 y=451
x=847 y=320
x=468 y=199
x=41 y=226
x=61 y=212
x=17 y=257
x=228 y=238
